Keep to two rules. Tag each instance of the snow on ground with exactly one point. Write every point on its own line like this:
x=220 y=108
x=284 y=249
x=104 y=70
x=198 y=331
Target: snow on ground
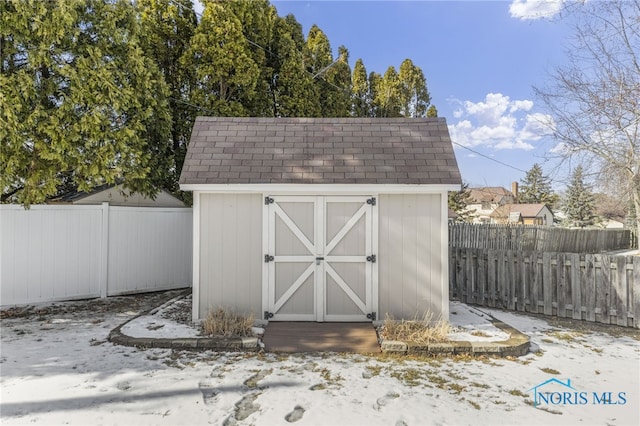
x=56 y=367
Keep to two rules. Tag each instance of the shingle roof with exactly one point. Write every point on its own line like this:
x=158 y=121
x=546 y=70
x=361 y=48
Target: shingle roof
x=526 y=210
x=492 y=194
x=226 y=150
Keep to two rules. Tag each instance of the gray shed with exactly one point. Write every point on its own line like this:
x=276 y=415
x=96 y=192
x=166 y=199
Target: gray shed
x=320 y=219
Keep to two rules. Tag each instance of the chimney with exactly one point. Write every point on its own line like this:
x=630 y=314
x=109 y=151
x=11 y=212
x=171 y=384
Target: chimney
x=514 y=191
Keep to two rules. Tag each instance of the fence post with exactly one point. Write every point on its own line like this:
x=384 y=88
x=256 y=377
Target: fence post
x=104 y=251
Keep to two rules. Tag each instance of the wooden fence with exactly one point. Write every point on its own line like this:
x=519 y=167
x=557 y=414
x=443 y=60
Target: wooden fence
x=538 y=238
x=65 y=252
x=593 y=287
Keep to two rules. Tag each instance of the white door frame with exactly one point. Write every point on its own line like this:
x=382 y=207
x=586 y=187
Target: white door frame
x=319 y=249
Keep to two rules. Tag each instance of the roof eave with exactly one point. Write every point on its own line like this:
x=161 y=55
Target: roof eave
x=311 y=189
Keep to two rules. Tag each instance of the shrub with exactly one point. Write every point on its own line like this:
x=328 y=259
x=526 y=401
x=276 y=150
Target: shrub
x=227 y=323
x=418 y=331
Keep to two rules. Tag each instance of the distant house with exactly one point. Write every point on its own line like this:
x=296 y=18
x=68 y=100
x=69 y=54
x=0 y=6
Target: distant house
x=523 y=214
x=116 y=195
x=485 y=200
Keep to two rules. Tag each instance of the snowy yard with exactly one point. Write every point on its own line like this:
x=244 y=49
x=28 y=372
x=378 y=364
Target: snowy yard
x=56 y=367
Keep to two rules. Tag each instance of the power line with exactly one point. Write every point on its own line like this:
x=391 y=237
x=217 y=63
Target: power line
x=313 y=76
x=488 y=158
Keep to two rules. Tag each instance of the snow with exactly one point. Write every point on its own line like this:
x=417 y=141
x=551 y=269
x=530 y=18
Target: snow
x=58 y=368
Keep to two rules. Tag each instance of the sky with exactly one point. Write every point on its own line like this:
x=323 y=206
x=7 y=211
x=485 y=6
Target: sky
x=58 y=368
x=481 y=60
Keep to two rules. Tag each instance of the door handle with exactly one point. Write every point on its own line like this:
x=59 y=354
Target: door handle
x=318 y=259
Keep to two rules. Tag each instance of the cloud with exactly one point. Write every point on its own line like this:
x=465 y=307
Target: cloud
x=535 y=9
x=499 y=123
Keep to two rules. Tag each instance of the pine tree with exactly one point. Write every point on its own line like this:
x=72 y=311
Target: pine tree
x=458 y=202
x=81 y=104
x=536 y=188
x=579 y=203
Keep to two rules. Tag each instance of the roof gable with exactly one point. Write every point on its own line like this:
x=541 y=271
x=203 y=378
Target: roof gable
x=226 y=150
x=525 y=210
x=491 y=194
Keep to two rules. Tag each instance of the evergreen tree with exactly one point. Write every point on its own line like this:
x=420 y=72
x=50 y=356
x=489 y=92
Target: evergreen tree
x=81 y=104
x=579 y=203
x=536 y=188
x=219 y=55
x=414 y=96
x=432 y=111
x=374 y=80
x=338 y=78
x=332 y=77
x=257 y=18
x=360 y=101
x=292 y=89
x=388 y=98
x=166 y=30
x=458 y=202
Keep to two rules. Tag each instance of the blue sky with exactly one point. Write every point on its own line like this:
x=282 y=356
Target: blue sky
x=480 y=59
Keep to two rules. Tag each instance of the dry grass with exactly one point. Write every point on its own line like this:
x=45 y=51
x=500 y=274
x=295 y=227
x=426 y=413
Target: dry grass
x=225 y=323
x=417 y=331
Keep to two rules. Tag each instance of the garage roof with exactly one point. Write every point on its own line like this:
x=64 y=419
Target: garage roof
x=226 y=150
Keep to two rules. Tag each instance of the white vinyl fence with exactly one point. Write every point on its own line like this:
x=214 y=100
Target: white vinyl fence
x=50 y=253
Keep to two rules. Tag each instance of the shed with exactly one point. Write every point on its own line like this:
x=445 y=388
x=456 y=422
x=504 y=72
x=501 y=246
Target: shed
x=320 y=219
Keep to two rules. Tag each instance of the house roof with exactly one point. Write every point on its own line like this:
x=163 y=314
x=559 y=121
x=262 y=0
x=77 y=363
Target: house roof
x=525 y=210
x=245 y=150
x=116 y=195
x=492 y=194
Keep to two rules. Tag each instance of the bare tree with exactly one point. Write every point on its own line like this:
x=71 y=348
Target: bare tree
x=594 y=100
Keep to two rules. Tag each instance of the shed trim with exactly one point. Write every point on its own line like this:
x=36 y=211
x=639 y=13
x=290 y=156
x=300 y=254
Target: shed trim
x=321 y=189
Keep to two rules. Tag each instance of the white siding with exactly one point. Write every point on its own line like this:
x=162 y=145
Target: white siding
x=50 y=253
x=230 y=255
x=411 y=262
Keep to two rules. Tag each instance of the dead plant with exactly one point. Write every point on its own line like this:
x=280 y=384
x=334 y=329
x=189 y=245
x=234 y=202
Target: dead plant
x=417 y=331
x=227 y=323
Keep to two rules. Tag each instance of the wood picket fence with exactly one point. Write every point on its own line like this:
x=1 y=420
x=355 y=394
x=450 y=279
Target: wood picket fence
x=599 y=288
x=537 y=237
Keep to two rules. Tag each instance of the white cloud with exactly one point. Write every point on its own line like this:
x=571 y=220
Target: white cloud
x=499 y=123
x=535 y=9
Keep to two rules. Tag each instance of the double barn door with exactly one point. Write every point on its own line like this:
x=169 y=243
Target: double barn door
x=320 y=260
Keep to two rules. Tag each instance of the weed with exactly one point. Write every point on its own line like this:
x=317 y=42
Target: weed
x=475 y=405
x=420 y=331
x=498 y=402
x=545 y=340
x=550 y=371
x=227 y=323
x=480 y=385
x=410 y=376
x=597 y=350
x=454 y=375
x=456 y=387
x=567 y=336
x=516 y=392
x=480 y=333
x=374 y=369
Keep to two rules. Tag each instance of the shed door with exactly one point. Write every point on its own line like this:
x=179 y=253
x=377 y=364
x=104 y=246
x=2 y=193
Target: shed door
x=319 y=262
